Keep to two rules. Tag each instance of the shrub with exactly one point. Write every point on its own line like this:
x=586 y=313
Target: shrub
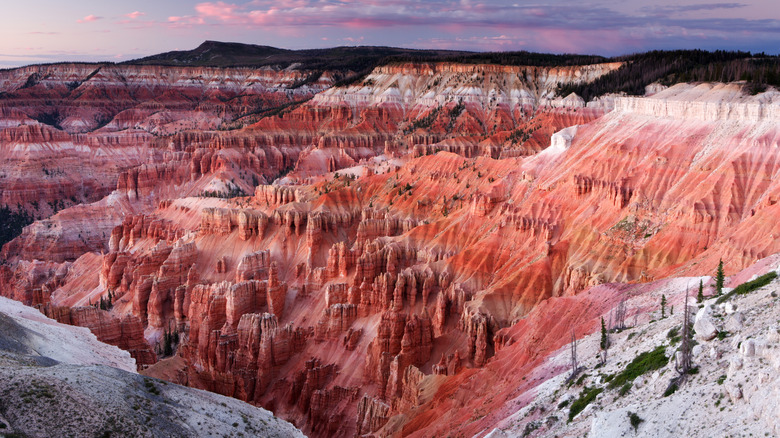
x=625 y=388
x=151 y=387
x=673 y=335
x=647 y=361
x=586 y=396
x=530 y=427
x=671 y=389
x=635 y=420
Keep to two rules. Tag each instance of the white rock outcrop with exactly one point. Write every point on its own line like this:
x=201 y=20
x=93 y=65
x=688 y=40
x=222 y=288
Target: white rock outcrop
x=705 y=326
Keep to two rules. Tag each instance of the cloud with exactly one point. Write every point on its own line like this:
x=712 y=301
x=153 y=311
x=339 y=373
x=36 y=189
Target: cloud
x=134 y=15
x=89 y=18
x=393 y=13
x=591 y=26
x=555 y=25
x=184 y=21
x=677 y=9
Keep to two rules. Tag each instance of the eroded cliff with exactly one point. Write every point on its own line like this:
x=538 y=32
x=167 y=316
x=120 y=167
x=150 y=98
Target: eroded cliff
x=430 y=222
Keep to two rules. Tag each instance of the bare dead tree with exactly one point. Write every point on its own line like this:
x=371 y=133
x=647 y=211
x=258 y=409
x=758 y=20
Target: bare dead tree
x=683 y=360
x=620 y=315
x=575 y=368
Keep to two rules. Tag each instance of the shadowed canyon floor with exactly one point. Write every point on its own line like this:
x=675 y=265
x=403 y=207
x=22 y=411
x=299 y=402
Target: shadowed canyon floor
x=404 y=255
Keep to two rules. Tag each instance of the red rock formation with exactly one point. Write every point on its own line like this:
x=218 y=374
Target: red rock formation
x=425 y=268
x=337 y=319
x=73 y=145
x=126 y=333
x=372 y=414
x=253 y=266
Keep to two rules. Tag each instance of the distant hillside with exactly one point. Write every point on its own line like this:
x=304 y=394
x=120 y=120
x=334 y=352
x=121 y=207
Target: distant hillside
x=673 y=67
x=345 y=62
x=349 y=64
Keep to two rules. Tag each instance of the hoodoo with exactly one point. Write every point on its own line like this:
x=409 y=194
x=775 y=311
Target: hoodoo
x=414 y=249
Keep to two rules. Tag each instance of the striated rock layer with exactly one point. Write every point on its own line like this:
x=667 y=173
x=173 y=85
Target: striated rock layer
x=68 y=131
x=430 y=222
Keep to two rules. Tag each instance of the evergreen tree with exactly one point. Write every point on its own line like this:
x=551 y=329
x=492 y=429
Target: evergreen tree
x=663 y=306
x=719 y=278
x=604 y=342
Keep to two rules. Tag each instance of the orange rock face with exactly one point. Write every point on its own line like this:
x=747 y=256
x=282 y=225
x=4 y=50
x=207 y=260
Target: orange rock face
x=69 y=131
x=428 y=234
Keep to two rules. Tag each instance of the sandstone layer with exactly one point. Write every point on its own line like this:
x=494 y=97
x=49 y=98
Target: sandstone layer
x=427 y=227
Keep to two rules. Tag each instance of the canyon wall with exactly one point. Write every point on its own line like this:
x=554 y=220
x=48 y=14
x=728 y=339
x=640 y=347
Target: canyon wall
x=69 y=131
x=689 y=103
x=427 y=223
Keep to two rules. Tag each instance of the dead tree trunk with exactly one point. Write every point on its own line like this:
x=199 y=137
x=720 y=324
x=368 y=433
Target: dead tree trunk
x=682 y=360
x=683 y=363
x=620 y=315
x=575 y=368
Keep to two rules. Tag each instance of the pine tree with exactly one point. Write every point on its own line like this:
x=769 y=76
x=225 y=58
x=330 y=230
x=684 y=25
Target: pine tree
x=719 y=278
x=604 y=342
x=663 y=306
x=700 y=296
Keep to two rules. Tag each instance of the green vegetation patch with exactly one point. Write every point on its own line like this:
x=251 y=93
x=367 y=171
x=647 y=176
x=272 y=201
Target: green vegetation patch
x=749 y=286
x=673 y=335
x=12 y=223
x=647 y=361
x=672 y=67
x=635 y=420
x=586 y=396
x=671 y=389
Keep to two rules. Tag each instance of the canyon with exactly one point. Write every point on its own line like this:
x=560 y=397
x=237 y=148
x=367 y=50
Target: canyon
x=59 y=379
x=395 y=256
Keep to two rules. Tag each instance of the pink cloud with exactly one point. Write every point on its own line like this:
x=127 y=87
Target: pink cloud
x=184 y=21
x=134 y=15
x=89 y=18
x=219 y=10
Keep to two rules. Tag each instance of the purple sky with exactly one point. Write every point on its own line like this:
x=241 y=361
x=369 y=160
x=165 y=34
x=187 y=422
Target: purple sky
x=37 y=31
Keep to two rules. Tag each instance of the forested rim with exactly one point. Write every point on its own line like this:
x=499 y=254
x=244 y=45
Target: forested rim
x=349 y=65
x=672 y=67
x=12 y=223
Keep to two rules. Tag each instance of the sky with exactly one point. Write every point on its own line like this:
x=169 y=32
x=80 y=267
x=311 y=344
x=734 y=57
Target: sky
x=41 y=31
